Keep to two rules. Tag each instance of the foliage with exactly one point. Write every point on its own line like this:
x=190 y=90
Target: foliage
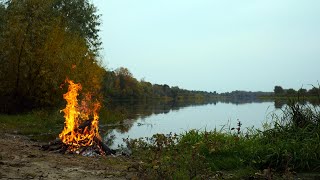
x=121 y=85
x=313 y=92
x=242 y=96
x=278 y=90
x=292 y=143
x=39 y=49
x=80 y=16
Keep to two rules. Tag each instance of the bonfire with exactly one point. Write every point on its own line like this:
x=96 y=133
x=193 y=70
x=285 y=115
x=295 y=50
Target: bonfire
x=81 y=129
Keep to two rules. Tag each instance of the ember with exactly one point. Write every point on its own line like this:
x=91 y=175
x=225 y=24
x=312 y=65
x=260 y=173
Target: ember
x=81 y=131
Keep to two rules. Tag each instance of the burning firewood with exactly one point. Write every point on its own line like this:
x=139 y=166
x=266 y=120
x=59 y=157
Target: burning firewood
x=98 y=148
x=104 y=147
x=80 y=133
x=85 y=124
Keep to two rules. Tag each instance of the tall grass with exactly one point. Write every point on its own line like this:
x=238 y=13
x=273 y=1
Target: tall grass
x=294 y=141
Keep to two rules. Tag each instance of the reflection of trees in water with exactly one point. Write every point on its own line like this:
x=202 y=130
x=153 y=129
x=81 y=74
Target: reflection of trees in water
x=126 y=113
x=239 y=101
x=122 y=115
x=280 y=103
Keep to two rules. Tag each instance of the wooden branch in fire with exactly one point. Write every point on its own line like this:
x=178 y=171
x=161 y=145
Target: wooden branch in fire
x=85 y=124
x=99 y=147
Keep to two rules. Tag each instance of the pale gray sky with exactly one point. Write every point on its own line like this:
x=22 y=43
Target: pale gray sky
x=214 y=45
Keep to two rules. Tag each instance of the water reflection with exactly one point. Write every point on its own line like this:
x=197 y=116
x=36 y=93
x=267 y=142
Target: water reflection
x=280 y=103
x=121 y=115
x=142 y=119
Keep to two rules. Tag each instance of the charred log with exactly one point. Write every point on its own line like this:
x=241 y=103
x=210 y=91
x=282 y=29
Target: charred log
x=98 y=146
x=58 y=146
x=85 y=124
x=63 y=149
x=104 y=147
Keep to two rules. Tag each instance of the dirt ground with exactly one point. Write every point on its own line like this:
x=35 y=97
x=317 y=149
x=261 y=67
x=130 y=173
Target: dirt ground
x=21 y=158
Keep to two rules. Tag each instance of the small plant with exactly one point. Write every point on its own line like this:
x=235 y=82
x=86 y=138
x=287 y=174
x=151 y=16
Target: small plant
x=238 y=128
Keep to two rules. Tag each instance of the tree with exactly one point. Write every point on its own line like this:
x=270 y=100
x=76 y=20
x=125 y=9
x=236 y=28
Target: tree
x=37 y=52
x=146 y=88
x=129 y=86
x=26 y=25
x=314 y=91
x=122 y=71
x=291 y=91
x=302 y=91
x=80 y=16
x=2 y=15
x=278 y=90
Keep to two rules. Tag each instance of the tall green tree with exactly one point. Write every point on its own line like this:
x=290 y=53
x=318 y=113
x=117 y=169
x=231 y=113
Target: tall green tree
x=278 y=90
x=302 y=91
x=37 y=52
x=80 y=16
x=314 y=92
x=291 y=91
x=2 y=15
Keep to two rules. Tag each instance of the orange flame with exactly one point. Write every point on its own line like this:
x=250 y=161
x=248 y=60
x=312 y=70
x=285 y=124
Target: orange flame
x=75 y=134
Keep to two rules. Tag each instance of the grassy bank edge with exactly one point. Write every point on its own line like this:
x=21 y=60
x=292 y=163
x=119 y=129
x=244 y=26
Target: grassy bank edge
x=288 y=146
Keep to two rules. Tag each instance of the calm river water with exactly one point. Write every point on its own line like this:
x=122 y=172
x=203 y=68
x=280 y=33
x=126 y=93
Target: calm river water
x=201 y=117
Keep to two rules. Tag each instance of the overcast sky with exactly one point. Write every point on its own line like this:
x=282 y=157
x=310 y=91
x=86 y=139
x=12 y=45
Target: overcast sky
x=214 y=45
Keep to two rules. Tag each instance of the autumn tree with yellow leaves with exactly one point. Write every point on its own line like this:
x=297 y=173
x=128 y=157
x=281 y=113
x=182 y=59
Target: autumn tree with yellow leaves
x=41 y=46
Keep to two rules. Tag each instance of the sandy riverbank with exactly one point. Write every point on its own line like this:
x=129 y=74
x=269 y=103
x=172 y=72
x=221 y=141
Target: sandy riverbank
x=21 y=158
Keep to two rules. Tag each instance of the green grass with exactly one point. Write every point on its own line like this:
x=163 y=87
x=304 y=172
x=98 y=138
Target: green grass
x=45 y=125
x=42 y=125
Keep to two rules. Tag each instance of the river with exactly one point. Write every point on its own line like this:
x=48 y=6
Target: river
x=175 y=119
